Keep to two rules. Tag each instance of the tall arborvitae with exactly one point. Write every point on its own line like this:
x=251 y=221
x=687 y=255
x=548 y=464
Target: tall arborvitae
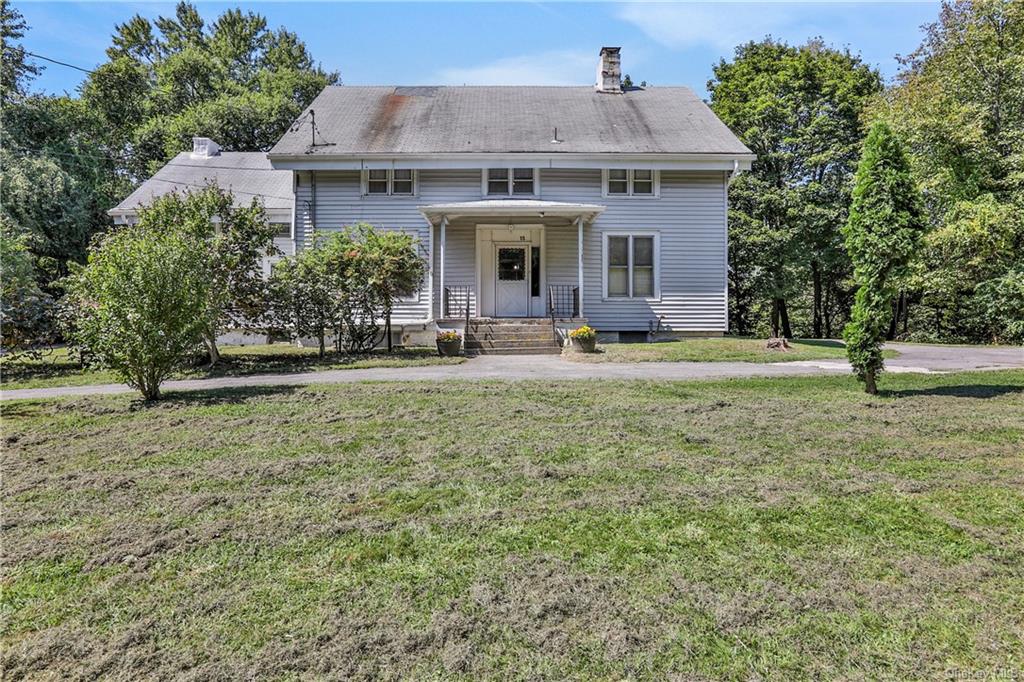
x=885 y=225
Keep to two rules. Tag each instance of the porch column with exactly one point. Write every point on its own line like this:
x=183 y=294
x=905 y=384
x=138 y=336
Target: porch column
x=579 y=259
x=444 y=230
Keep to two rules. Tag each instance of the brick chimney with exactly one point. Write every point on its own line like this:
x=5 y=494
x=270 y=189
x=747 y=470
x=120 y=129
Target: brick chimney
x=204 y=148
x=609 y=71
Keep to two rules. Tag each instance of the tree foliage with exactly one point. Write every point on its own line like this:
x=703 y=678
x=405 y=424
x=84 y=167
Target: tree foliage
x=798 y=109
x=882 y=235
x=233 y=240
x=233 y=80
x=959 y=102
x=140 y=303
x=26 y=312
x=345 y=285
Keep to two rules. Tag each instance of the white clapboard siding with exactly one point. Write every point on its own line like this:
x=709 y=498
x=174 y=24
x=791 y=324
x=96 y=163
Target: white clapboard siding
x=689 y=215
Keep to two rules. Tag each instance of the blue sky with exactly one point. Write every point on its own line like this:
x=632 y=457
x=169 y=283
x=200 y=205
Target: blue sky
x=547 y=43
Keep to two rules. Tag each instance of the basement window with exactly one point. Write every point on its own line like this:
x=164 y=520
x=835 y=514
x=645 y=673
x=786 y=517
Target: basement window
x=389 y=182
x=631 y=182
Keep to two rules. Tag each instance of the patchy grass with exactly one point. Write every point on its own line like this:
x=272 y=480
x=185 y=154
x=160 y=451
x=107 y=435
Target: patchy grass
x=760 y=528
x=726 y=349
x=58 y=369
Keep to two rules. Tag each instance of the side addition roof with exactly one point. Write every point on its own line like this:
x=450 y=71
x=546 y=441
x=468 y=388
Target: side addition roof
x=247 y=175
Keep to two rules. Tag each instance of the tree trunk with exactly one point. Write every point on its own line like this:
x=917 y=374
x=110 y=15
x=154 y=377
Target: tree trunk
x=211 y=349
x=775 y=318
x=387 y=328
x=787 y=331
x=828 y=312
x=816 y=280
x=869 y=382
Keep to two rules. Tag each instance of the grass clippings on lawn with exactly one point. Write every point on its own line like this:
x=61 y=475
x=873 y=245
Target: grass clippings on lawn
x=761 y=528
x=56 y=368
x=715 y=350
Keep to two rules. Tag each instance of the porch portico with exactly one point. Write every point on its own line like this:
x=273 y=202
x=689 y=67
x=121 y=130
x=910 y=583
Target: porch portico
x=507 y=258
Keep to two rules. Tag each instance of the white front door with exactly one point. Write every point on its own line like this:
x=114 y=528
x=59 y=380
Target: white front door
x=511 y=281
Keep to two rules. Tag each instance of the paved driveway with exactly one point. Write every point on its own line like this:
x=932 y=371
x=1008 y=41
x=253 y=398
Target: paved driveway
x=913 y=358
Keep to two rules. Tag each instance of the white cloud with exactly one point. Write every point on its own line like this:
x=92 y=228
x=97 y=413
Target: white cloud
x=556 y=67
x=721 y=26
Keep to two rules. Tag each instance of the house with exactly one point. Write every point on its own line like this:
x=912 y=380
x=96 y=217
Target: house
x=248 y=175
x=597 y=203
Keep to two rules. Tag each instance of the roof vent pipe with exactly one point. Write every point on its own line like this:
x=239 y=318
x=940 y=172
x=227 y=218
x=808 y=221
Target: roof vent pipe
x=609 y=71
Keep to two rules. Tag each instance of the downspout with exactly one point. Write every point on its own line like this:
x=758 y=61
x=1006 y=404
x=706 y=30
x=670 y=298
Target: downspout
x=735 y=173
x=312 y=184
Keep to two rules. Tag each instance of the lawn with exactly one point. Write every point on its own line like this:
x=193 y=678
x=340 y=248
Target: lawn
x=56 y=368
x=786 y=528
x=725 y=349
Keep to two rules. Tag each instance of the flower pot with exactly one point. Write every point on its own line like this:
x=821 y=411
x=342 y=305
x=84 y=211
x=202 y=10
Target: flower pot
x=449 y=349
x=586 y=345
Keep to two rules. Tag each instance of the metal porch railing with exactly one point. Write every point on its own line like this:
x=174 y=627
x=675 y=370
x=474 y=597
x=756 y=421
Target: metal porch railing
x=563 y=300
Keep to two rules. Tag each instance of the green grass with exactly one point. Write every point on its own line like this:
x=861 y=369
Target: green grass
x=716 y=350
x=788 y=528
x=56 y=368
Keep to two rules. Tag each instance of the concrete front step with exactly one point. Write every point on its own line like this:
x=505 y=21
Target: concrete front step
x=541 y=335
x=511 y=329
x=520 y=343
x=549 y=350
x=510 y=320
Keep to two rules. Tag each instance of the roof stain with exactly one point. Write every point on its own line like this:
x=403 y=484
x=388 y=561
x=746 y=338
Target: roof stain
x=384 y=126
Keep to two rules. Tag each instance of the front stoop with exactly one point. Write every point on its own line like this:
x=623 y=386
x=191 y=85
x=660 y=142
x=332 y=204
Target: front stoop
x=511 y=336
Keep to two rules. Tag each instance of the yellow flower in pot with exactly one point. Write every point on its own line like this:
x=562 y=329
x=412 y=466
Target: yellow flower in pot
x=448 y=343
x=584 y=338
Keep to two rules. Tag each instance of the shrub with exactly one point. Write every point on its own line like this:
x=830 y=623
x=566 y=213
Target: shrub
x=347 y=283
x=233 y=240
x=140 y=303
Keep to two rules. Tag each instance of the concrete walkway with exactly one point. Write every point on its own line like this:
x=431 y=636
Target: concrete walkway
x=913 y=358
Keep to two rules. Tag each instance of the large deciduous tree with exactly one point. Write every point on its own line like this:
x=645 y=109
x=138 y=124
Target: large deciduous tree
x=882 y=235
x=798 y=109
x=959 y=104
x=234 y=80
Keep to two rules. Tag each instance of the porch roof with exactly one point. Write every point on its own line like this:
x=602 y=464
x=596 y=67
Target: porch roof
x=515 y=208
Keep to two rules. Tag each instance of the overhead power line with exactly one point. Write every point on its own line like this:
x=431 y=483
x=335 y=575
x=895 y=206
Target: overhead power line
x=57 y=61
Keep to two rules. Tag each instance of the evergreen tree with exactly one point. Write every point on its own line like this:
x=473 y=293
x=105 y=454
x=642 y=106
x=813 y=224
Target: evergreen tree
x=882 y=234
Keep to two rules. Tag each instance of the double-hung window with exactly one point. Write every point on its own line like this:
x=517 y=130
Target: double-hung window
x=630 y=182
x=506 y=182
x=389 y=182
x=631 y=265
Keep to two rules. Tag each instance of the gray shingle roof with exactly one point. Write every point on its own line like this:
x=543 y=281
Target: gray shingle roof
x=422 y=120
x=246 y=174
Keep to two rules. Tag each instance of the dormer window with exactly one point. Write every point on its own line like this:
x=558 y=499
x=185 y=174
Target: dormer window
x=389 y=182
x=630 y=182
x=508 y=182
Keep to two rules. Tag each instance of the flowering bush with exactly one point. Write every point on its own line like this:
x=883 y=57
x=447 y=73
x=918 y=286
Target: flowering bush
x=447 y=336
x=584 y=333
